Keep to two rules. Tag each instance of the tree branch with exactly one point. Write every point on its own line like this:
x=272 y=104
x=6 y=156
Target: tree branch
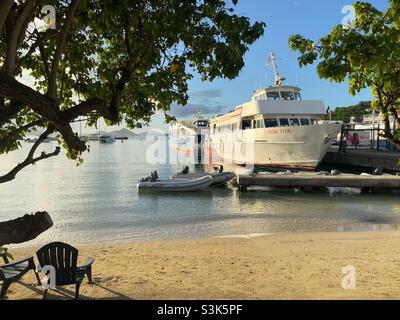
x=45 y=61
x=39 y=41
x=395 y=115
x=24 y=229
x=82 y=109
x=30 y=159
x=71 y=139
x=25 y=127
x=390 y=138
x=52 y=92
x=14 y=90
x=5 y=7
x=12 y=43
x=42 y=105
x=10 y=111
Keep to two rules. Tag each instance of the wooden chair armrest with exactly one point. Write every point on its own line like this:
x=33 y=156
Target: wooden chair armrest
x=88 y=263
x=15 y=263
x=4 y=257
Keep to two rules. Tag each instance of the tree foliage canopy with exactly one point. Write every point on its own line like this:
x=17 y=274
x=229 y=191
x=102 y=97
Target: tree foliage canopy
x=366 y=54
x=118 y=59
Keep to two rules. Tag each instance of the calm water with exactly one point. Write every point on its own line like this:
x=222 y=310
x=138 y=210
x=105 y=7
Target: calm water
x=99 y=202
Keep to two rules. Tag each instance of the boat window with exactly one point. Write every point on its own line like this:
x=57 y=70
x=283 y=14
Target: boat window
x=294 y=122
x=215 y=128
x=202 y=123
x=284 y=122
x=305 y=122
x=271 y=123
x=314 y=121
x=273 y=96
x=258 y=124
x=297 y=96
x=287 y=95
x=246 y=124
x=225 y=128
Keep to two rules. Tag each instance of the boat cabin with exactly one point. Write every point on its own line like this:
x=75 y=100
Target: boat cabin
x=201 y=123
x=278 y=93
x=273 y=107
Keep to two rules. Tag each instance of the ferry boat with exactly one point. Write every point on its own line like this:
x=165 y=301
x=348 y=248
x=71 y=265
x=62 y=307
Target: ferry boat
x=276 y=129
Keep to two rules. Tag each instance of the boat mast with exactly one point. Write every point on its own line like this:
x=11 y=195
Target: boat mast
x=278 y=78
x=199 y=114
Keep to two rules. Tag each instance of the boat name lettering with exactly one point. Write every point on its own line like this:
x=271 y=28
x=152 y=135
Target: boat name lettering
x=280 y=131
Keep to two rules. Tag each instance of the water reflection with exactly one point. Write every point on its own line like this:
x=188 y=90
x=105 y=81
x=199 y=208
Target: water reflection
x=99 y=202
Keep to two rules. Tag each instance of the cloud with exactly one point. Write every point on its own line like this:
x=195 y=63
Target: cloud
x=212 y=93
x=191 y=110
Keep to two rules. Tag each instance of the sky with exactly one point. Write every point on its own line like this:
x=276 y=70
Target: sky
x=310 y=18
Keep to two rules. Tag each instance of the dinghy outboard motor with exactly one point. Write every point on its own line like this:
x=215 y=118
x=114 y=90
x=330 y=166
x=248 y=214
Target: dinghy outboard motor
x=335 y=173
x=219 y=169
x=185 y=171
x=378 y=172
x=154 y=176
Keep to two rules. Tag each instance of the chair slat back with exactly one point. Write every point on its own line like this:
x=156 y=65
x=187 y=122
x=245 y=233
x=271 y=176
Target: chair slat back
x=63 y=258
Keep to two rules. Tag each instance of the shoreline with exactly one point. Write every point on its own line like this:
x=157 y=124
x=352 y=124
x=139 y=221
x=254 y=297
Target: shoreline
x=277 y=266
x=334 y=228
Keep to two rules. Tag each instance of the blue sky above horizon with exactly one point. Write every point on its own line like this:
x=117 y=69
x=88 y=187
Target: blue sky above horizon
x=310 y=18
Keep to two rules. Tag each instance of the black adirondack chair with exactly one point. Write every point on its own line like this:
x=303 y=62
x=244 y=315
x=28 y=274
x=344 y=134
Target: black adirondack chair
x=12 y=272
x=64 y=258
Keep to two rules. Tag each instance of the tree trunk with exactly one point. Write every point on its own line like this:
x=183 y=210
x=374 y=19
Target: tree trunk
x=24 y=229
x=5 y=7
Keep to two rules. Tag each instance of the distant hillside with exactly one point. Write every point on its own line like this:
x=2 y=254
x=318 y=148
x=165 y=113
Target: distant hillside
x=123 y=133
x=102 y=133
x=153 y=133
x=344 y=114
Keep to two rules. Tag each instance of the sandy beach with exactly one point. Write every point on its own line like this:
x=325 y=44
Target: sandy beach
x=281 y=266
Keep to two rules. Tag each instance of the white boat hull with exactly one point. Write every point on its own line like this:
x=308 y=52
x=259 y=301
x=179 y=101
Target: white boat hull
x=292 y=147
x=177 y=185
x=219 y=179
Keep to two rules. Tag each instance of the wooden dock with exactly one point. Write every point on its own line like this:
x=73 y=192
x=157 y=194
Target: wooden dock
x=363 y=160
x=319 y=181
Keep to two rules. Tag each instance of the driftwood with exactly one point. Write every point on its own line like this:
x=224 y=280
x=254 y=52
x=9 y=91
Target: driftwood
x=24 y=229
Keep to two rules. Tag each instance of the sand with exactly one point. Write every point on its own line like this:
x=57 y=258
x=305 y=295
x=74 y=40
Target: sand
x=281 y=266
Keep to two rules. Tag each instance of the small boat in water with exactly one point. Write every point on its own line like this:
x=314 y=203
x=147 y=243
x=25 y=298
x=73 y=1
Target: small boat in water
x=174 y=185
x=220 y=178
x=106 y=139
x=121 y=138
x=93 y=137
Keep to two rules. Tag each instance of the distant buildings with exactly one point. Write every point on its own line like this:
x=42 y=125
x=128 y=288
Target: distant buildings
x=373 y=120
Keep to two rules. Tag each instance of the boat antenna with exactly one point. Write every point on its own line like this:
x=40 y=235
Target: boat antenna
x=278 y=78
x=199 y=114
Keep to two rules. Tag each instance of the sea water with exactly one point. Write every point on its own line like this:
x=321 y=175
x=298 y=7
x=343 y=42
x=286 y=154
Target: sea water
x=98 y=202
